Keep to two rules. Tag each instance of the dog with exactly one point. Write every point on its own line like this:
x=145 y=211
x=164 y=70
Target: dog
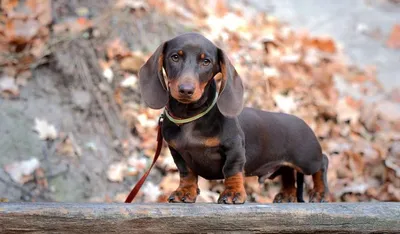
x=211 y=134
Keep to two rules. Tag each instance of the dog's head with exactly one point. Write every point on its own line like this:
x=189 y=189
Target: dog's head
x=190 y=62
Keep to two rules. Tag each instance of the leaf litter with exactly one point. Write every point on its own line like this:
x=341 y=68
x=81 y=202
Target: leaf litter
x=283 y=70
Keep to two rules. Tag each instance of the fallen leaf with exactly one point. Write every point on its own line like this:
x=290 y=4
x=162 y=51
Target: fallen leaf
x=389 y=111
x=169 y=183
x=19 y=170
x=394 y=191
x=285 y=103
x=312 y=57
x=151 y=192
x=38 y=48
x=132 y=4
x=290 y=58
x=20 y=31
x=167 y=162
x=270 y=72
x=322 y=44
x=69 y=147
x=8 y=86
x=394 y=38
x=40 y=178
x=146 y=122
x=118 y=96
x=3 y=199
x=43 y=8
x=107 y=72
x=136 y=165
x=60 y=27
x=130 y=82
x=346 y=111
x=206 y=195
x=79 y=25
x=22 y=77
x=45 y=130
x=131 y=64
x=117 y=48
x=9 y=5
x=116 y=171
x=395 y=95
x=393 y=163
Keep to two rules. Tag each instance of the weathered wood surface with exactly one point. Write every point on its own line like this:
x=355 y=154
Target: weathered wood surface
x=199 y=218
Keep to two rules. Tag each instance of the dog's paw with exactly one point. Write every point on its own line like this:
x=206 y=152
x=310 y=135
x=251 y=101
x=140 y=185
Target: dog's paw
x=184 y=194
x=285 y=197
x=317 y=197
x=233 y=196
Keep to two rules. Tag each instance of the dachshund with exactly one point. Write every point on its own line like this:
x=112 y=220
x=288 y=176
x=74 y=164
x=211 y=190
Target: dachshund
x=211 y=134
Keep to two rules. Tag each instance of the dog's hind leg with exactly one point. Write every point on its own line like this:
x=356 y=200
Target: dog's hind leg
x=320 y=190
x=300 y=185
x=288 y=190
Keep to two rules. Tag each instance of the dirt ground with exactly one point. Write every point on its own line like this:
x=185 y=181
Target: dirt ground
x=56 y=93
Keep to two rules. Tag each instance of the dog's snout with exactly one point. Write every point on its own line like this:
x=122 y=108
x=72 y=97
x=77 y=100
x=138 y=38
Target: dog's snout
x=186 y=89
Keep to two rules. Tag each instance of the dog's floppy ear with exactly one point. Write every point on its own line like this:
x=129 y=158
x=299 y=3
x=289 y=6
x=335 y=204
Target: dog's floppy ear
x=230 y=101
x=151 y=79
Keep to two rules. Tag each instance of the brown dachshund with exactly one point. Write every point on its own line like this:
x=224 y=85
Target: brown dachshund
x=211 y=135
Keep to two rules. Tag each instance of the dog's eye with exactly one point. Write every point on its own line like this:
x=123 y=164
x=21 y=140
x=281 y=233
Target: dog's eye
x=206 y=62
x=175 y=57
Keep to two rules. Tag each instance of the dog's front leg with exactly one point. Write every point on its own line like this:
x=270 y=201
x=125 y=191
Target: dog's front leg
x=234 y=192
x=188 y=190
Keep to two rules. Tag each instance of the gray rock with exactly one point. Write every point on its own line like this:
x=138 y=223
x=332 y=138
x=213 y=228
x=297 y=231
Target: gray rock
x=81 y=99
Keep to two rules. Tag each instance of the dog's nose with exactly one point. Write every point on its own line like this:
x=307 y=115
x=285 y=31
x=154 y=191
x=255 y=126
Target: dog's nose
x=186 y=89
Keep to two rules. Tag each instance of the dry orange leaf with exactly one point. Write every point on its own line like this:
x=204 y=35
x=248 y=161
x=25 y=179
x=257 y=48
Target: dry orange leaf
x=394 y=38
x=20 y=31
x=81 y=24
x=323 y=44
x=220 y=8
x=8 y=5
x=38 y=48
x=131 y=64
x=117 y=48
x=43 y=8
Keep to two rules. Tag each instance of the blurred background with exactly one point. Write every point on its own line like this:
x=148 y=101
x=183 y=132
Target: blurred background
x=73 y=126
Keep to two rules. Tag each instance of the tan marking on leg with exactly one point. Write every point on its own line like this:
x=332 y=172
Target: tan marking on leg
x=319 y=193
x=234 y=192
x=188 y=189
x=235 y=181
x=318 y=182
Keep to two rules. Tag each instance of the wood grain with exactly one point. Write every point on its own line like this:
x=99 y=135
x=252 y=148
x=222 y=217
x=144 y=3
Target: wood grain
x=199 y=218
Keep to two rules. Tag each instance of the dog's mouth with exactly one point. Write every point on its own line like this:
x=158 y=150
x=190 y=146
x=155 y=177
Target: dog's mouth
x=185 y=100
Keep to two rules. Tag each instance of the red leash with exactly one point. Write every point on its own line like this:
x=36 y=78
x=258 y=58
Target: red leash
x=139 y=184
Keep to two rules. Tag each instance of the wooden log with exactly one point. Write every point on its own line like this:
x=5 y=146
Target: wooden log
x=200 y=218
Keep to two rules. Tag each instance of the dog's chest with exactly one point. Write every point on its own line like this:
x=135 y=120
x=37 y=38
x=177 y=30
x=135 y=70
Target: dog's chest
x=200 y=150
x=187 y=138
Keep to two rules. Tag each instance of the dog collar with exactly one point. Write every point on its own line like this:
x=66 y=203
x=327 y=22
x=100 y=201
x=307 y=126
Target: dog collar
x=198 y=116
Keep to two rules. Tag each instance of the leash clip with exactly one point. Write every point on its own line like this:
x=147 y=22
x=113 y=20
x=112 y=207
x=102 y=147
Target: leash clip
x=161 y=119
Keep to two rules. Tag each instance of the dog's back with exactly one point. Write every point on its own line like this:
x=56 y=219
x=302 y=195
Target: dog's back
x=281 y=138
